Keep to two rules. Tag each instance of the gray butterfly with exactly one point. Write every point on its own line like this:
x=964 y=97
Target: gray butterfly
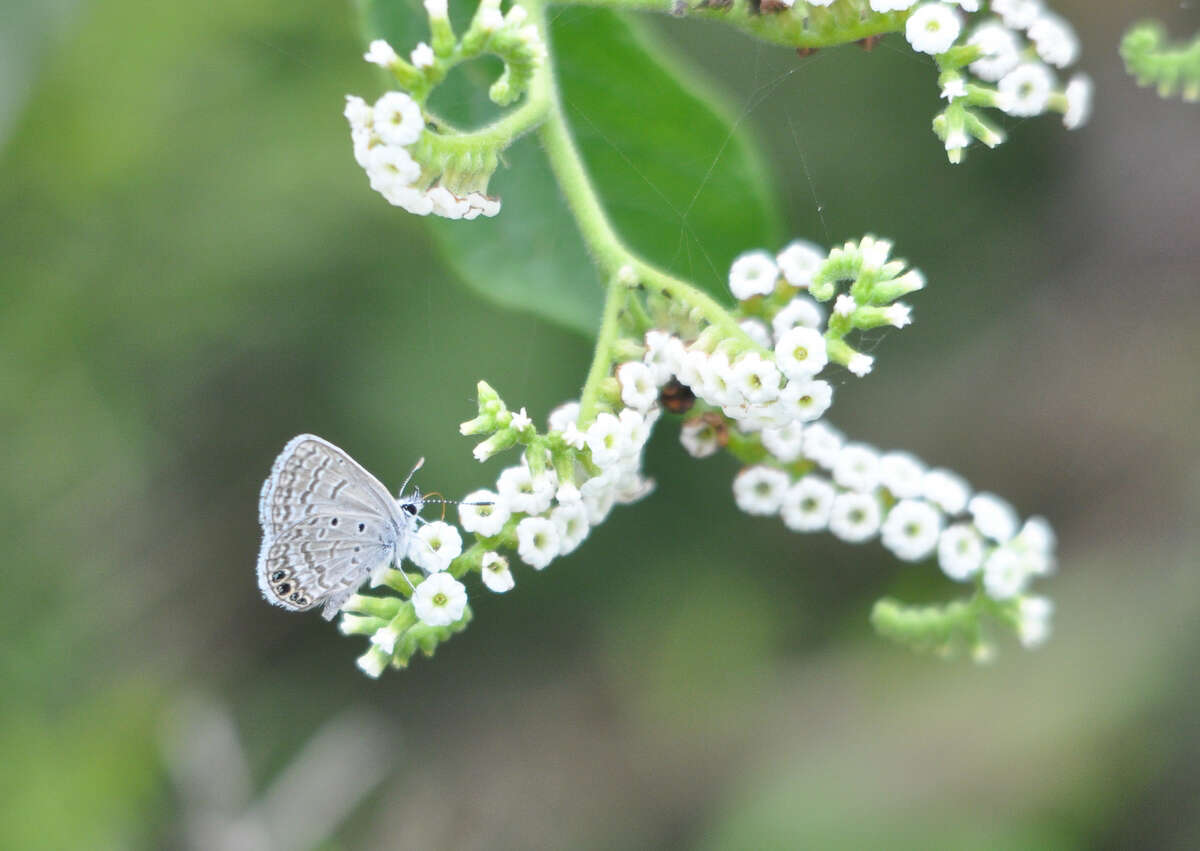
x=328 y=525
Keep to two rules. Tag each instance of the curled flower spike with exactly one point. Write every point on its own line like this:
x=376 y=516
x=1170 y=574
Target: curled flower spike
x=1171 y=69
x=752 y=377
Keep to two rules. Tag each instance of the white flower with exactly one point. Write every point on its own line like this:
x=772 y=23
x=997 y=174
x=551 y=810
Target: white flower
x=690 y=368
x=436 y=8
x=759 y=489
x=716 y=380
x=572 y=524
x=636 y=428
x=785 y=442
x=799 y=262
x=398 y=119
x=567 y=494
x=598 y=497
x=1036 y=541
x=1001 y=50
x=1025 y=90
x=1079 y=101
x=447 y=204
x=520 y=421
x=807 y=504
x=606 y=439
x=1033 y=621
x=358 y=112
x=662 y=355
x=817 y=3
x=801 y=310
x=574 y=438
x=902 y=473
x=854 y=517
x=873 y=252
x=1017 y=14
x=860 y=364
x=481 y=204
x=434 y=546
x=1004 y=574
x=413 y=200
x=385 y=638
x=956 y=140
x=899 y=314
x=483 y=513
x=489 y=18
x=756 y=380
x=823 y=444
x=845 y=305
x=440 y=600
x=911 y=529
x=800 y=353
x=757 y=331
x=1038 y=535
x=699 y=438
x=523 y=492
x=955 y=88
x=857 y=467
x=516 y=16
x=361 y=139
x=563 y=415
x=806 y=401
x=638 y=387
x=753 y=273
x=495 y=573
x=960 y=551
x=1054 y=40
x=373 y=662
x=390 y=168
x=993 y=517
x=380 y=53
x=891 y=5
x=933 y=28
x=537 y=541
x=422 y=56
x=947 y=490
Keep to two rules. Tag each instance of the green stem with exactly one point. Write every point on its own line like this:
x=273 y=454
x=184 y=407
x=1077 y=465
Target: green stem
x=603 y=357
x=607 y=248
x=801 y=26
x=503 y=131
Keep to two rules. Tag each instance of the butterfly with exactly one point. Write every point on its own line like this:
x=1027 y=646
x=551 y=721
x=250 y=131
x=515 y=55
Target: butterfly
x=328 y=525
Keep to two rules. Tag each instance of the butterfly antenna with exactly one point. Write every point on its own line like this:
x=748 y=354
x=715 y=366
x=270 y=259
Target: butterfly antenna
x=420 y=463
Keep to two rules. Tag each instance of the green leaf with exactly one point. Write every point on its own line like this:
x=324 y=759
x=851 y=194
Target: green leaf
x=683 y=182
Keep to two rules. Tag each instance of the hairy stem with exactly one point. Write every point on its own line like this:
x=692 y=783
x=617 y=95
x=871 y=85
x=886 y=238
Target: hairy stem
x=800 y=26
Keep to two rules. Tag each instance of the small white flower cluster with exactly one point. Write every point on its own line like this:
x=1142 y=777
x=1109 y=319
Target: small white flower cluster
x=754 y=390
x=383 y=135
x=916 y=512
x=555 y=516
x=1021 y=44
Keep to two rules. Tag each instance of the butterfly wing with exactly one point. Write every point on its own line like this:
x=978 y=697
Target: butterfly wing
x=327 y=524
x=312 y=476
x=323 y=559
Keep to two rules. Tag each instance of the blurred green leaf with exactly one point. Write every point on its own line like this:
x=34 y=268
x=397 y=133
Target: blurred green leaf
x=85 y=777
x=683 y=183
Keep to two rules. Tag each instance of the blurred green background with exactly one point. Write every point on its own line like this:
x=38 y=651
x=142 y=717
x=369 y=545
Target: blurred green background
x=193 y=271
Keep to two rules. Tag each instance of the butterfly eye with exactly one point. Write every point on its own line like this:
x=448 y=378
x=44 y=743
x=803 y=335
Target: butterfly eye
x=409 y=508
